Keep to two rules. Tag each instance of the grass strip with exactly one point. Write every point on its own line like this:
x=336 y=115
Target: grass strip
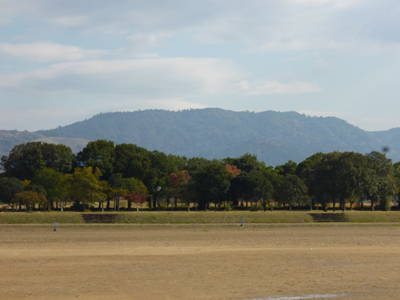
x=213 y=217
x=40 y=218
x=198 y=217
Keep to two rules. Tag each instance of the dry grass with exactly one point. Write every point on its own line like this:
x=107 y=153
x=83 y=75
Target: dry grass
x=199 y=262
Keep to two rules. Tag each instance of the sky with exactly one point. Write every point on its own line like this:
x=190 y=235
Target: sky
x=65 y=61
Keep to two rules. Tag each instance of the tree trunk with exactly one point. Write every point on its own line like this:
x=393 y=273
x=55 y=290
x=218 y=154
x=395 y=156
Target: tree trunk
x=372 y=205
x=334 y=205
x=137 y=206
x=108 y=204
x=129 y=205
x=290 y=206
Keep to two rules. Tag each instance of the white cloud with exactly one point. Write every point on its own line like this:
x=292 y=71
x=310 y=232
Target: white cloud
x=168 y=77
x=258 y=25
x=140 y=42
x=265 y=87
x=150 y=78
x=47 y=52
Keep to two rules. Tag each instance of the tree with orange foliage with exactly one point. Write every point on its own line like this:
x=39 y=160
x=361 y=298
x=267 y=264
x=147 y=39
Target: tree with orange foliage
x=233 y=169
x=30 y=198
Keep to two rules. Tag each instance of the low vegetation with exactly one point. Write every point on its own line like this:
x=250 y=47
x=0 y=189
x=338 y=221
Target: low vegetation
x=276 y=217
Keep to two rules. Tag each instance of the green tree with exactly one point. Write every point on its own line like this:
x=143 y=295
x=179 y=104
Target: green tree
x=178 y=187
x=212 y=184
x=98 y=154
x=309 y=162
x=289 y=189
x=379 y=183
x=85 y=187
x=289 y=168
x=25 y=159
x=246 y=163
x=396 y=174
x=194 y=164
x=54 y=184
x=132 y=161
x=9 y=187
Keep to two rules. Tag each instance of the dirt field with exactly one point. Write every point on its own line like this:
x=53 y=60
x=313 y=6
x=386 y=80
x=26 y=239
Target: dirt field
x=199 y=261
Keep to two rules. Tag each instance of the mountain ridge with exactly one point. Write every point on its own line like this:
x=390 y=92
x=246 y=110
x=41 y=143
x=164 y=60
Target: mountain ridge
x=275 y=137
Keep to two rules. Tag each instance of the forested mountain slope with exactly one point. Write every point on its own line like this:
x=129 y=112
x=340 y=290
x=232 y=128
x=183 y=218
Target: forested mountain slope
x=10 y=138
x=275 y=137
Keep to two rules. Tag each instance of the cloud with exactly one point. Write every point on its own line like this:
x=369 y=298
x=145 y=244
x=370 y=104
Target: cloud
x=265 y=87
x=160 y=77
x=139 y=43
x=257 y=25
x=48 y=52
x=149 y=78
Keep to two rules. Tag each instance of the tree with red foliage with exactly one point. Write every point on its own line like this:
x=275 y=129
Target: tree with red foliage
x=137 y=198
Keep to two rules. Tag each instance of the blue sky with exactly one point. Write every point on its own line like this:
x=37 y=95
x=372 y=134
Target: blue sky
x=64 y=61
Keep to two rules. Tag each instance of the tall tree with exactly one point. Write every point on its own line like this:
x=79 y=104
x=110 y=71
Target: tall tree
x=288 y=168
x=98 y=154
x=85 y=186
x=246 y=163
x=290 y=189
x=25 y=159
x=9 y=187
x=212 y=184
x=379 y=184
x=53 y=182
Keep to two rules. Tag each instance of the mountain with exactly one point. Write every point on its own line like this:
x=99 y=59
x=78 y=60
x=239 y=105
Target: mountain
x=275 y=137
x=10 y=138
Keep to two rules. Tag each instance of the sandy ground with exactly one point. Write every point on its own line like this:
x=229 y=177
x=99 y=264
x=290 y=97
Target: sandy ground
x=199 y=261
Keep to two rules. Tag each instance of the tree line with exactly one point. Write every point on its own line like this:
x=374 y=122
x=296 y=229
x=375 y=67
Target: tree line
x=47 y=176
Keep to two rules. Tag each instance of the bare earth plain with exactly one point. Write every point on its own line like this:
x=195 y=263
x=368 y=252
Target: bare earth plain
x=354 y=261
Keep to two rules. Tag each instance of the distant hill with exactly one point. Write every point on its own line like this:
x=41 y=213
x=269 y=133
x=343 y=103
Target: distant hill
x=275 y=137
x=10 y=138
